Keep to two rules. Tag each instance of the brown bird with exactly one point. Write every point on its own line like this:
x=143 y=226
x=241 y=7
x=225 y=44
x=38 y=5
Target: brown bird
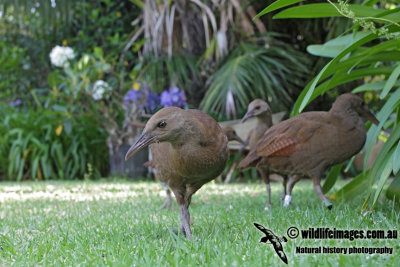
x=189 y=150
x=311 y=142
x=260 y=109
x=230 y=134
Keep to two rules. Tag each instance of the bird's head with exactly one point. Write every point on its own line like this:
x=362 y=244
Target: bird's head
x=231 y=134
x=164 y=126
x=353 y=102
x=256 y=108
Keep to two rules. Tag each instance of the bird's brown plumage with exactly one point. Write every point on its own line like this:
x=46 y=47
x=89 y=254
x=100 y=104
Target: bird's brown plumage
x=231 y=134
x=227 y=130
x=260 y=109
x=189 y=149
x=311 y=142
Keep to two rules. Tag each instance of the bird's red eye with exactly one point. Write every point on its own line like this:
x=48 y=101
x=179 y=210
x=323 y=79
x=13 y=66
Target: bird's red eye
x=162 y=124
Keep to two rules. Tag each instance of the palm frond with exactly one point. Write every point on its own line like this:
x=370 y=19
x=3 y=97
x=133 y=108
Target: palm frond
x=274 y=74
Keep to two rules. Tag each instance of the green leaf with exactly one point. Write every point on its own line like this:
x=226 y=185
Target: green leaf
x=332 y=178
x=276 y=5
x=333 y=47
x=353 y=188
x=384 y=176
x=325 y=51
x=382 y=116
x=139 y=3
x=390 y=82
x=307 y=94
x=376 y=86
x=396 y=159
x=393 y=191
x=68 y=126
x=328 y=10
x=98 y=51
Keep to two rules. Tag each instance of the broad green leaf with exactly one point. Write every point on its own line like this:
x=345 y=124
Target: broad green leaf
x=382 y=180
x=325 y=51
x=390 y=82
x=68 y=126
x=276 y=5
x=393 y=190
x=98 y=51
x=396 y=159
x=376 y=86
x=353 y=188
x=382 y=116
x=333 y=47
x=332 y=178
x=307 y=94
x=328 y=10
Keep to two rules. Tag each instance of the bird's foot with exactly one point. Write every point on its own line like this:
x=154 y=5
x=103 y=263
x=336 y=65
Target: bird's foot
x=287 y=200
x=328 y=204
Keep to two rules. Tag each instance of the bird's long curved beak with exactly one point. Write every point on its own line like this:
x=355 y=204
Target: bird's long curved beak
x=369 y=116
x=249 y=114
x=240 y=140
x=143 y=141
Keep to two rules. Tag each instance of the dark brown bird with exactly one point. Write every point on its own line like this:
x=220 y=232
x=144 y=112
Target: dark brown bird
x=190 y=150
x=260 y=109
x=311 y=142
x=230 y=134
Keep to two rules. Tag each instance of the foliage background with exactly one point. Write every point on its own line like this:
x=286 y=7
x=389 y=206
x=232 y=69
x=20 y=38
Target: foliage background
x=213 y=50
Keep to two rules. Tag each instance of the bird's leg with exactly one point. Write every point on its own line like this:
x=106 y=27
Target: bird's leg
x=185 y=217
x=318 y=191
x=265 y=175
x=284 y=187
x=292 y=181
x=168 y=201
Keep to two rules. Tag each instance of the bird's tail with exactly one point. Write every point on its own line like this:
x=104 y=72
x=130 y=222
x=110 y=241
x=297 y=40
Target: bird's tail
x=250 y=160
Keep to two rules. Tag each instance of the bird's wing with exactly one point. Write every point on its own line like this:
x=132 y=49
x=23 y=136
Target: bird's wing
x=283 y=139
x=282 y=255
x=261 y=228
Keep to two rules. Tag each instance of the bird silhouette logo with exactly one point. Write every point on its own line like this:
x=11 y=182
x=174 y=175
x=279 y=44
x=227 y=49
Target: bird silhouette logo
x=274 y=240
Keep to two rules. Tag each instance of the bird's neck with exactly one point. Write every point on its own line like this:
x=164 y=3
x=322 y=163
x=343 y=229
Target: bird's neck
x=348 y=114
x=193 y=134
x=264 y=119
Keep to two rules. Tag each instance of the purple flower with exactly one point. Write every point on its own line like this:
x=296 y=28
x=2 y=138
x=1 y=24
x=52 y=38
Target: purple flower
x=15 y=103
x=152 y=101
x=142 y=97
x=173 y=97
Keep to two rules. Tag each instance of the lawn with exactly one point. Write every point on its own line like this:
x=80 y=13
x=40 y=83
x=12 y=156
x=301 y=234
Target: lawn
x=119 y=223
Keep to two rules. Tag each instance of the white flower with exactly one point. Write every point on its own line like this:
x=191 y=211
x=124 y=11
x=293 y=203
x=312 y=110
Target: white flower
x=60 y=55
x=99 y=88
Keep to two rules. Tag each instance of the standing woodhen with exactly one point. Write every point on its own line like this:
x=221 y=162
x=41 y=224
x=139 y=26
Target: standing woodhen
x=190 y=150
x=260 y=109
x=311 y=142
x=227 y=130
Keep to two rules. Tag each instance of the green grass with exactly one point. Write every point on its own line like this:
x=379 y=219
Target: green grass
x=119 y=223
